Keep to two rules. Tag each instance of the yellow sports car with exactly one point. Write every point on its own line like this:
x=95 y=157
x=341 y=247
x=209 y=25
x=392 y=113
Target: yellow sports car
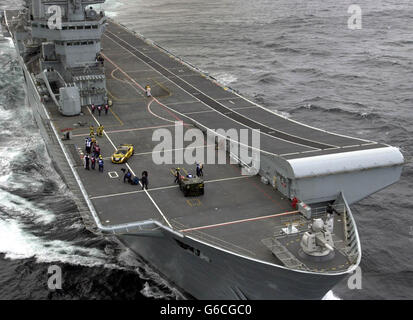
x=122 y=154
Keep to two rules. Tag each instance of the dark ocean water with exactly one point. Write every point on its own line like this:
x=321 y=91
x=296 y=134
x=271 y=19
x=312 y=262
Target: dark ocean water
x=296 y=57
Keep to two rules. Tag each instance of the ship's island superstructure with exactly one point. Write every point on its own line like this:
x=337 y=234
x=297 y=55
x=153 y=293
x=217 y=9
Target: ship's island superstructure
x=242 y=239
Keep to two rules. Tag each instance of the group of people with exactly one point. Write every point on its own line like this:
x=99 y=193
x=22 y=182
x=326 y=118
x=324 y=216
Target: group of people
x=99 y=108
x=90 y=162
x=134 y=180
x=92 y=151
x=99 y=131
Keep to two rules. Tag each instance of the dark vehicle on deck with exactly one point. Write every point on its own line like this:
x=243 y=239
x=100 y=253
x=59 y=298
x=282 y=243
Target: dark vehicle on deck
x=192 y=186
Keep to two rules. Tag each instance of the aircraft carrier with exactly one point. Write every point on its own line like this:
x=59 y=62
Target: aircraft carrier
x=282 y=231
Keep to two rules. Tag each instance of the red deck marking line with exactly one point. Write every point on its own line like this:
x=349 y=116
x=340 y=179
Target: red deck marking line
x=138 y=85
x=155 y=115
x=239 y=221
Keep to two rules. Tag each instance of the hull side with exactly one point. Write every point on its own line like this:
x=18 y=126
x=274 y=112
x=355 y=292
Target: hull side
x=209 y=273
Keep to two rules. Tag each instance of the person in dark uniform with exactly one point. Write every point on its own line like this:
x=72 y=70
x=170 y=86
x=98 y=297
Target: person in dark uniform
x=93 y=162
x=198 y=170
x=93 y=108
x=88 y=145
x=100 y=163
x=87 y=161
x=99 y=109
x=134 y=181
x=144 y=180
x=96 y=150
x=127 y=176
x=177 y=175
x=106 y=109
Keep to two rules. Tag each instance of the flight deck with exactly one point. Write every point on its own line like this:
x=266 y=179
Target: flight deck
x=233 y=204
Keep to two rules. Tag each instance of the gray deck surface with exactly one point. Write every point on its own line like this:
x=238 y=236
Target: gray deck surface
x=182 y=92
x=226 y=109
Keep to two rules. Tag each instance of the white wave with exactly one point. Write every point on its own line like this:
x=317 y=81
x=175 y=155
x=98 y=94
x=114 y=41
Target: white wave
x=152 y=292
x=331 y=296
x=110 y=7
x=16 y=243
x=225 y=78
x=21 y=207
x=145 y=272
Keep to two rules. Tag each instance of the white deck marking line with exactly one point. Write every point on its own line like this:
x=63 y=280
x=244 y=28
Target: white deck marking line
x=195 y=112
x=290 y=154
x=276 y=138
x=127 y=165
x=300 y=123
x=127 y=130
x=239 y=221
x=163 y=188
x=185 y=102
x=144 y=128
x=215 y=239
x=130 y=192
x=171 y=150
x=155 y=115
